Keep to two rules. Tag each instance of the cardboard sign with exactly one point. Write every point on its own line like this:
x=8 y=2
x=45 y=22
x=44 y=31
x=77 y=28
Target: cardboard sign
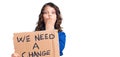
x=37 y=44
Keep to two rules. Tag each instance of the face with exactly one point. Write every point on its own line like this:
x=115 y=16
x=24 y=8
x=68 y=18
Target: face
x=49 y=13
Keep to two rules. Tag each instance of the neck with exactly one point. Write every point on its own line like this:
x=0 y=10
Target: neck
x=49 y=27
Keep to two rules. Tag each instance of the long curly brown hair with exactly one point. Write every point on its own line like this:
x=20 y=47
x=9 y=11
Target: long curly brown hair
x=41 y=25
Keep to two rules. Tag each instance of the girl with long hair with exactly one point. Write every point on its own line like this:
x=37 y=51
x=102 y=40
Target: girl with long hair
x=50 y=19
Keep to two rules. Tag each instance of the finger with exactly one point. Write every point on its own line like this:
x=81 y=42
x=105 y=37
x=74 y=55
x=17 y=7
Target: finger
x=15 y=55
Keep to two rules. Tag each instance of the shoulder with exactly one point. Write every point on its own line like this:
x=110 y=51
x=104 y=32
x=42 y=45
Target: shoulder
x=62 y=34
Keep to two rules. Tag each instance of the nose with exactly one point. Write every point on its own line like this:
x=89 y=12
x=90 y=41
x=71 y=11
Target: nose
x=50 y=14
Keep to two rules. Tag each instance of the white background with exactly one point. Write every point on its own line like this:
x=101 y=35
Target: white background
x=92 y=27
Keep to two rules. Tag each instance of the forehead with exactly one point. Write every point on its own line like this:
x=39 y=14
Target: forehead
x=49 y=8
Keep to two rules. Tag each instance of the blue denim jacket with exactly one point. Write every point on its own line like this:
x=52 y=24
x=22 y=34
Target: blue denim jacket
x=62 y=41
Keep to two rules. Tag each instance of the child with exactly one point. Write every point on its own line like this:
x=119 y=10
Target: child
x=50 y=19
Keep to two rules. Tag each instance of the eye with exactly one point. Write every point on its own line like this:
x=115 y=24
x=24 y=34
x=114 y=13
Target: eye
x=44 y=12
x=53 y=12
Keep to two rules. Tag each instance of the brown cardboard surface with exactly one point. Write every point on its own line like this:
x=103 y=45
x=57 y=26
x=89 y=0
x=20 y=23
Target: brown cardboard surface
x=37 y=44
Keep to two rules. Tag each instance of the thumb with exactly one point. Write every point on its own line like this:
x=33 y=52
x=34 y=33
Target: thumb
x=15 y=55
